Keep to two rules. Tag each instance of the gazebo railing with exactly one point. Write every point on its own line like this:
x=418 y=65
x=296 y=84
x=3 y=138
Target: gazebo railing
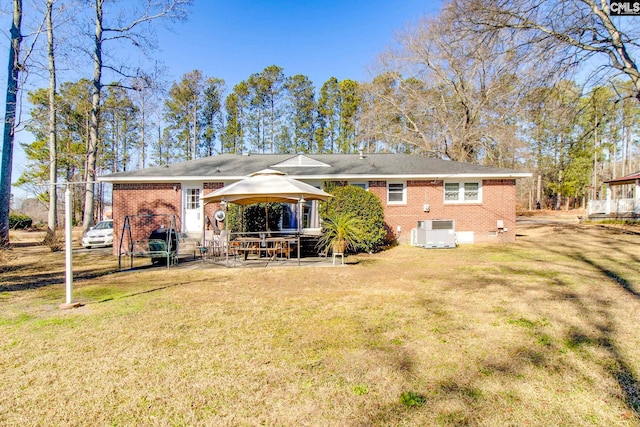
x=613 y=206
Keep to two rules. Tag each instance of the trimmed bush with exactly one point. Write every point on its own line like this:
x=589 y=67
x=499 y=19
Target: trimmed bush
x=254 y=215
x=233 y=221
x=365 y=206
x=19 y=221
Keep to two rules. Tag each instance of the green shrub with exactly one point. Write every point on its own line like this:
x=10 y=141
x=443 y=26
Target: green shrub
x=412 y=399
x=342 y=233
x=233 y=221
x=254 y=215
x=19 y=221
x=360 y=389
x=362 y=204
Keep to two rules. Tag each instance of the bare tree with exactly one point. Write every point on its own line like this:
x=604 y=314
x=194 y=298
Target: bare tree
x=576 y=32
x=148 y=87
x=50 y=237
x=123 y=30
x=448 y=93
x=10 y=121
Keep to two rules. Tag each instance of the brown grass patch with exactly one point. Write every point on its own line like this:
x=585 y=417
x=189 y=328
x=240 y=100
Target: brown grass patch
x=540 y=332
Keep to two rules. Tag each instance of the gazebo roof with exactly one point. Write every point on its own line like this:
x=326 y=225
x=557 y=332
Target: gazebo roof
x=628 y=179
x=267 y=185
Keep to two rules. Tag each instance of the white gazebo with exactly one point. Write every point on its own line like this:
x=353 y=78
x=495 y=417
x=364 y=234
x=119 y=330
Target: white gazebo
x=625 y=203
x=268 y=186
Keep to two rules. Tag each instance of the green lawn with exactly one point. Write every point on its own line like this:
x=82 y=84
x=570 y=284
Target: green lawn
x=545 y=331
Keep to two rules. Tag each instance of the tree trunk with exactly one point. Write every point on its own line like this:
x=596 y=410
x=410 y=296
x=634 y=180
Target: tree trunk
x=92 y=152
x=143 y=124
x=195 y=127
x=10 y=122
x=53 y=128
x=539 y=192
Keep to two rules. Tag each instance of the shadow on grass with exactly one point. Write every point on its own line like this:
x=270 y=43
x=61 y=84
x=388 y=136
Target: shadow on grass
x=553 y=279
x=36 y=281
x=617 y=230
x=12 y=268
x=20 y=281
x=25 y=244
x=148 y=291
x=621 y=281
x=618 y=368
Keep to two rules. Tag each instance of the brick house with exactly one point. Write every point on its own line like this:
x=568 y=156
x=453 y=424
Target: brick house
x=481 y=200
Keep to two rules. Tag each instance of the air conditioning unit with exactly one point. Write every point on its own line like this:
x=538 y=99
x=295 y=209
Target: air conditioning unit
x=434 y=233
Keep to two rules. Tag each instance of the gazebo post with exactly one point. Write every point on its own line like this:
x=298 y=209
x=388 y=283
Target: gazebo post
x=636 y=197
x=300 y=201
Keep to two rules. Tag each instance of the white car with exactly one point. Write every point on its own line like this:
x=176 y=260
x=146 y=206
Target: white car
x=100 y=234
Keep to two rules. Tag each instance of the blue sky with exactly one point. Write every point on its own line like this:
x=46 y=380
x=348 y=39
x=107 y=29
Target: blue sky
x=320 y=39
x=233 y=39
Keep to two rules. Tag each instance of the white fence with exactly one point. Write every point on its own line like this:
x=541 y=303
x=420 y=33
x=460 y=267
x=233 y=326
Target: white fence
x=613 y=206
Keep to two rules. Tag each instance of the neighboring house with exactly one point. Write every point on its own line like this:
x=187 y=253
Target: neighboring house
x=622 y=199
x=481 y=200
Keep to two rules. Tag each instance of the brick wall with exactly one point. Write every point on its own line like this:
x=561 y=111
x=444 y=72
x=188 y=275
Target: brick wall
x=210 y=208
x=151 y=198
x=498 y=203
x=144 y=199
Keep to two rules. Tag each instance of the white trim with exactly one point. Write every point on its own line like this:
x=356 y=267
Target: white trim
x=187 y=219
x=461 y=192
x=301 y=161
x=190 y=179
x=404 y=193
x=361 y=177
x=344 y=177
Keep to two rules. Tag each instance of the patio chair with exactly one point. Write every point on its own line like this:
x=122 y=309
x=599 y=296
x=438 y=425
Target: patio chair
x=205 y=247
x=218 y=245
x=282 y=249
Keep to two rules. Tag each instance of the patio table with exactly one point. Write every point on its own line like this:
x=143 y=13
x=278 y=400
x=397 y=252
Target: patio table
x=269 y=246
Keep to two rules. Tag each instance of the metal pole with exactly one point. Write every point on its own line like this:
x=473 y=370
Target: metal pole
x=300 y=202
x=68 y=228
x=68 y=241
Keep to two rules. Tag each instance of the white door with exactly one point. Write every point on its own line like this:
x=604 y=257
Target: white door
x=192 y=212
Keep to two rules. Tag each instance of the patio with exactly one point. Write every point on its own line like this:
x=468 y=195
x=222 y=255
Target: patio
x=265 y=186
x=205 y=263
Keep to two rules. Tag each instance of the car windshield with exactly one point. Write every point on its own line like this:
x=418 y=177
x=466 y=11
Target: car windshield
x=103 y=225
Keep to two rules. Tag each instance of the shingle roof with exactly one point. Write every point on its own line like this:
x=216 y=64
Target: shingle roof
x=313 y=166
x=628 y=179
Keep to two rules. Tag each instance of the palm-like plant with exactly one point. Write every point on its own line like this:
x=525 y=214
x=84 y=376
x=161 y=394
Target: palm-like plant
x=341 y=232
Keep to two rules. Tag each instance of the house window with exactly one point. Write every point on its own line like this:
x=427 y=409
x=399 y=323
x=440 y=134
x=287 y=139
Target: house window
x=291 y=212
x=193 y=198
x=451 y=191
x=471 y=191
x=306 y=214
x=363 y=185
x=396 y=193
x=289 y=217
x=462 y=192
